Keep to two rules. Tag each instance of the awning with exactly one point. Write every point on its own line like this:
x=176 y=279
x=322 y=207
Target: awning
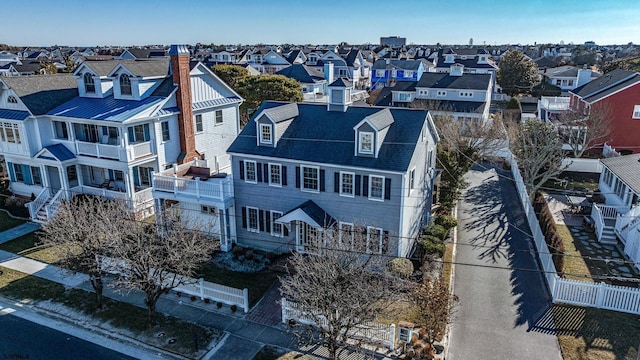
x=310 y=213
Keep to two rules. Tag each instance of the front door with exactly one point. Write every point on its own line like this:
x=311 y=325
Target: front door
x=54 y=179
x=308 y=238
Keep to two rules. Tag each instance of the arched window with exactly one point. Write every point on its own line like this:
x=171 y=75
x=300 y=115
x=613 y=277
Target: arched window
x=89 y=85
x=125 y=85
x=12 y=99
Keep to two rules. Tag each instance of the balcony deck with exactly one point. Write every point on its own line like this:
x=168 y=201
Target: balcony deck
x=193 y=181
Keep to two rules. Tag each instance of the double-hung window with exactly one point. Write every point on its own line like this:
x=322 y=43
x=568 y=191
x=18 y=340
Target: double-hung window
x=374 y=240
x=252 y=219
x=219 y=119
x=276 y=228
x=165 y=131
x=412 y=179
x=376 y=187
x=346 y=235
x=17 y=171
x=125 y=84
x=250 y=171
x=275 y=174
x=310 y=178
x=365 y=143
x=199 y=125
x=61 y=130
x=346 y=183
x=266 y=135
x=636 y=111
x=35 y=175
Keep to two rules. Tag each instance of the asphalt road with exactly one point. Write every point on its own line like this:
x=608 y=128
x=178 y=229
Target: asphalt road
x=22 y=339
x=503 y=312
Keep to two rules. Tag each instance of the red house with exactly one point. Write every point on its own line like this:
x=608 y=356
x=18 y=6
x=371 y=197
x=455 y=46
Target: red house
x=618 y=92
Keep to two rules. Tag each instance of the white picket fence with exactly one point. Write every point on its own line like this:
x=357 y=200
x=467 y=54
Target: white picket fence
x=598 y=295
x=582 y=165
x=370 y=331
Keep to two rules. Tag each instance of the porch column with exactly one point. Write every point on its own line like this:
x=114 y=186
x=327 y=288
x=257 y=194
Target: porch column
x=65 y=181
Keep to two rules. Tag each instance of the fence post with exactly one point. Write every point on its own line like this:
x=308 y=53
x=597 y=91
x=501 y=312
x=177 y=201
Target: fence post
x=601 y=290
x=245 y=296
x=201 y=283
x=392 y=337
x=283 y=306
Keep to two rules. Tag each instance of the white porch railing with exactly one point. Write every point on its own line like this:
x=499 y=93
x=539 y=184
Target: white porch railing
x=143 y=196
x=54 y=204
x=371 y=331
x=89 y=190
x=99 y=150
x=136 y=151
x=554 y=103
x=598 y=220
x=37 y=204
x=627 y=222
x=214 y=188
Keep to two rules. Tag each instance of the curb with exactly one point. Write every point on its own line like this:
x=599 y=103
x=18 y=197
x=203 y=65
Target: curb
x=454 y=236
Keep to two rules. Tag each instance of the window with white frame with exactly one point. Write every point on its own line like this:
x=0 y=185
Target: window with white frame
x=310 y=178
x=423 y=92
x=211 y=210
x=408 y=73
x=636 y=111
x=165 y=131
x=403 y=97
x=380 y=73
x=466 y=94
x=608 y=176
x=374 y=240
x=61 y=130
x=365 y=143
x=145 y=175
x=219 y=118
x=89 y=85
x=17 y=172
x=250 y=171
x=252 y=219
x=12 y=99
x=36 y=179
x=275 y=174
x=376 y=187
x=346 y=235
x=199 y=125
x=266 y=135
x=346 y=183
x=412 y=179
x=276 y=228
x=125 y=84
x=394 y=73
x=441 y=93
x=10 y=133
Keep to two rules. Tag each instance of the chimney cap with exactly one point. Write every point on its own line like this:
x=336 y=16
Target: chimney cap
x=178 y=50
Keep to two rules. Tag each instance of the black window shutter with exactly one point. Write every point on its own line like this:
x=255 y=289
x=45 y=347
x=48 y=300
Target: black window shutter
x=284 y=175
x=285 y=231
x=385 y=241
x=244 y=217
x=266 y=172
x=298 y=177
x=241 y=170
x=261 y=219
x=322 y=184
x=365 y=185
x=267 y=222
x=387 y=189
x=259 y=172
x=357 y=185
x=336 y=182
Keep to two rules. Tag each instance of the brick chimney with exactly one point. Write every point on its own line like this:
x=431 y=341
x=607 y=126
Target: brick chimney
x=186 y=133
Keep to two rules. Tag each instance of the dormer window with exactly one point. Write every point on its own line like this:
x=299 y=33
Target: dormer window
x=89 y=85
x=12 y=99
x=365 y=143
x=266 y=135
x=125 y=84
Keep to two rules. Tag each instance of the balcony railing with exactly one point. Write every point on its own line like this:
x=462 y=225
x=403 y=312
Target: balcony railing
x=215 y=188
x=554 y=103
x=90 y=190
x=115 y=152
x=139 y=150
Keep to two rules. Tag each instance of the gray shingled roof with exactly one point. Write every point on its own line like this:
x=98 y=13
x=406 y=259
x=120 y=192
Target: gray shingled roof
x=341 y=82
x=43 y=92
x=381 y=119
x=302 y=73
x=446 y=81
x=283 y=113
x=321 y=136
x=605 y=83
x=142 y=68
x=626 y=168
x=413 y=65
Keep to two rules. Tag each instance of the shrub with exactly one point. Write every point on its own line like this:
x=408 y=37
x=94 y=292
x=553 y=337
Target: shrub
x=179 y=293
x=430 y=244
x=438 y=231
x=249 y=255
x=446 y=221
x=400 y=267
x=206 y=301
x=218 y=304
x=193 y=298
x=234 y=308
x=270 y=255
x=237 y=251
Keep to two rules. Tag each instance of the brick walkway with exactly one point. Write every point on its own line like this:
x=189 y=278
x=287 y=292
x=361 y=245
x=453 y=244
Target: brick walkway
x=268 y=310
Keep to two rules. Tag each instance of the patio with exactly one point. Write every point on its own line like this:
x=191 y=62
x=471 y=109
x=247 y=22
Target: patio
x=585 y=245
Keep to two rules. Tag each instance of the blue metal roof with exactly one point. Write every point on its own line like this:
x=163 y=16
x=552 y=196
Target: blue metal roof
x=168 y=111
x=13 y=114
x=104 y=108
x=59 y=152
x=215 y=102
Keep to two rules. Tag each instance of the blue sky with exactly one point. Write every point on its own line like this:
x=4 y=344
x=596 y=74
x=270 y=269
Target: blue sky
x=140 y=22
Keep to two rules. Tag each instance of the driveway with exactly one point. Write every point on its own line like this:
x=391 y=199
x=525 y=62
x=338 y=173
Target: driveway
x=503 y=298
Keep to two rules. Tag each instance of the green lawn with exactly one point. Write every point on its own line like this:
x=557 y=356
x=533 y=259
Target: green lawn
x=594 y=334
x=130 y=320
x=258 y=283
x=575 y=263
x=28 y=246
x=7 y=222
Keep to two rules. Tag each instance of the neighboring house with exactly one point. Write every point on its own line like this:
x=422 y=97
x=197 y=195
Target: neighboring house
x=619 y=217
x=617 y=93
x=7 y=57
x=311 y=78
x=112 y=127
x=385 y=71
x=568 y=77
x=301 y=168
x=132 y=54
x=475 y=61
x=465 y=96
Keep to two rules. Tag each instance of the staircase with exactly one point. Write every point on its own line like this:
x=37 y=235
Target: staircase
x=609 y=232
x=45 y=206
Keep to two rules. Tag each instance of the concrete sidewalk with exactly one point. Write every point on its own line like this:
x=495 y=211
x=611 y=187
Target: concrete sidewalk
x=246 y=337
x=18 y=231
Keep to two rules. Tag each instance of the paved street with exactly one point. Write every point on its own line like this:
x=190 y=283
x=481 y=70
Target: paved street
x=502 y=295
x=22 y=339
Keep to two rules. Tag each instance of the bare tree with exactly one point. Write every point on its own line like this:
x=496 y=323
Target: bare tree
x=156 y=258
x=433 y=307
x=339 y=289
x=77 y=232
x=584 y=132
x=538 y=149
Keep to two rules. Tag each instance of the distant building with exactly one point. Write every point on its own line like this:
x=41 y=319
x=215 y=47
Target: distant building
x=393 y=41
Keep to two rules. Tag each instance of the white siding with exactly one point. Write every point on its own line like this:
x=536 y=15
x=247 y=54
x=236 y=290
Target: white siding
x=168 y=151
x=215 y=139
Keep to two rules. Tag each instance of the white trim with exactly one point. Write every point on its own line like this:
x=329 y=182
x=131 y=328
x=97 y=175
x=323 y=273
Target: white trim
x=255 y=172
x=249 y=228
x=636 y=112
x=412 y=180
x=361 y=135
x=279 y=172
x=302 y=178
x=353 y=184
x=371 y=186
x=262 y=139
x=380 y=239
x=583 y=98
x=273 y=222
x=340 y=225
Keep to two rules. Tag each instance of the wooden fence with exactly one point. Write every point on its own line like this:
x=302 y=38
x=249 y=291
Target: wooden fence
x=575 y=292
x=370 y=331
